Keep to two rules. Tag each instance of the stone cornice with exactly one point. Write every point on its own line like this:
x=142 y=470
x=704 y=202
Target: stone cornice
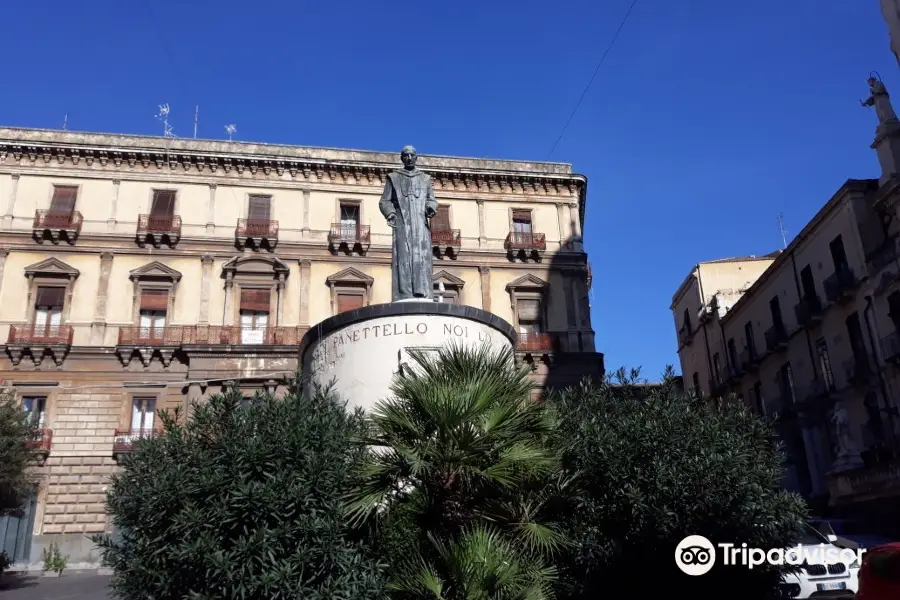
x=233 y=160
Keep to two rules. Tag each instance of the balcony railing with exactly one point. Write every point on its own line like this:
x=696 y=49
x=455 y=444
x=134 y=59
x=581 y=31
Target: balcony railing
x=151 y=336
x=350 y=236
x=857 y=371
x=525 y=240
x=840 y=285
x=159 y=226
x=808 y=311
x=57 y=222
x=890 y=347
x=256 y=229
x=40 y=439
x=749 y=359
x=884 y=254
x=537 y=342
x=776 y=337
x=124 y=439
x=874 y=481
x=32 y=334
x=235 y=335
x=446 y=238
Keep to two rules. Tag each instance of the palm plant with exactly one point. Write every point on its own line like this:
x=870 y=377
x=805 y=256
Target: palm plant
x=460 y=477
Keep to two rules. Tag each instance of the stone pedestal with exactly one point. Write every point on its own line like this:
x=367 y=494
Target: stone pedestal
x=362 y=350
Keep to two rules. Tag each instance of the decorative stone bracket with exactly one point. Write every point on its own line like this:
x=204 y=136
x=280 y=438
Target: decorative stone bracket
x=57 y=352
x=145 y=354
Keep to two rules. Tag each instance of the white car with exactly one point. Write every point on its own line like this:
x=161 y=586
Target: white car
x=818 y=579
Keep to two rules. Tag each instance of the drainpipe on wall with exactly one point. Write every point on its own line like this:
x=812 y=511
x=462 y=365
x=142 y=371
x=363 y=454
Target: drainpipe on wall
x=881 y=384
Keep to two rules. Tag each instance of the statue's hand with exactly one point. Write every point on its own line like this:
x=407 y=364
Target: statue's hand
x=430 y=212
x=391 y=220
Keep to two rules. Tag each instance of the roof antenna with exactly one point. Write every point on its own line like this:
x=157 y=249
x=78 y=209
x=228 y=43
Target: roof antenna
x=781 y=229
x=230 y=129
x=196 y=120
x=163 y=116
x=66 y=122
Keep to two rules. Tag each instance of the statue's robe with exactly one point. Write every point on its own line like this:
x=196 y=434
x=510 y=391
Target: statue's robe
x=407 y=195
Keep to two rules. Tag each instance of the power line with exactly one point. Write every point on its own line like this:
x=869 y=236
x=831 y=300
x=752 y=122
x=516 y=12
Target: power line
x=591 y=80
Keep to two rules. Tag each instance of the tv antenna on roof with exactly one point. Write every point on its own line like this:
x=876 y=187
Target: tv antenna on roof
x=781 y=229
x=230 y=129
x=66 y=122
x=163 y=116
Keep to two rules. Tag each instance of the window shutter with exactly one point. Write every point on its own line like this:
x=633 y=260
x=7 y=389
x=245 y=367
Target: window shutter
x=529 y=310
x=63 y=201
x=154 y=299
x=347 y=302
x=259 y=208
x=53 y=297
x=256 y=299
x=441 y=221
x=163 y=203
x=519 y=214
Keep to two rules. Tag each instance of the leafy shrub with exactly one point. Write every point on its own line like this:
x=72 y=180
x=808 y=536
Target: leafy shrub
x=54 y=560
x=240 y=502
x=16 y=455
x=653 y=466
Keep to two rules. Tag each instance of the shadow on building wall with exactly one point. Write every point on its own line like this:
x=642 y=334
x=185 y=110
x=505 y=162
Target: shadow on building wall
x=561 y=348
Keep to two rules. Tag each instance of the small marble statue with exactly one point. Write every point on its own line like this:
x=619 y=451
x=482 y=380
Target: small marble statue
x=845 y=444
x=881 y=100
x=407 y=203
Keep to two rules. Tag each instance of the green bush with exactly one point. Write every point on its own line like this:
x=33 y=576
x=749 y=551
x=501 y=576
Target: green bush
x=54 y=560
x=17 y=482
x=652 y=466
x=241 y=502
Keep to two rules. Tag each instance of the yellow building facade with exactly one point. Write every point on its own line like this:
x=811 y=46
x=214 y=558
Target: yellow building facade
x=141 y=273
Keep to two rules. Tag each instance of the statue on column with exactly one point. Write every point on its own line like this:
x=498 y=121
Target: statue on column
x=407 y=203
x=881 y=100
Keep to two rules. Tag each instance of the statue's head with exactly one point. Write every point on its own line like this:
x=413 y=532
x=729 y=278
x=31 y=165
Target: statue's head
x=871 y=81
x=408 y=156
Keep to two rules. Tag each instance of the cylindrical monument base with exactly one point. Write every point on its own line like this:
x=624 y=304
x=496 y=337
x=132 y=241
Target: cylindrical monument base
x=360 y=351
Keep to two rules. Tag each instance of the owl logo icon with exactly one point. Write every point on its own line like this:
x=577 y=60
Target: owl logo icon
x=695 y=555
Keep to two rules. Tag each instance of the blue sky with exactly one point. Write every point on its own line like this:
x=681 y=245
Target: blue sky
x=707 y=119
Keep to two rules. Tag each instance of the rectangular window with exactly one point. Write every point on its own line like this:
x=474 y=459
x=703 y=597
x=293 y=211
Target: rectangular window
x=758 y=398
x=695 y=379
x=349 y=220
x=154 y=303
x=732 y=355
x=838 y=254
x=825 y=363
x=857 y=343
x=446 y=295
x=786 y=384
x=163 y=205
x=48 y=307
x=37 y=409
x=441 y=220
x=347 y=302
x=143 y=412
x=63 y=201
x=530 y=317
x=751 y=343
x=807 y=282
x=259 y=208
x=775 y=309
x=255 y=307
x=717 y=367
x=521 y=222
x=894 y=309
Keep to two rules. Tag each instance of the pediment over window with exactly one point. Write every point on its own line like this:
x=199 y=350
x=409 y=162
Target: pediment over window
x=448 y=279
x=155 y=271
x=350 y=276
x=527 y=281
x=256 y=265
x=52 y=267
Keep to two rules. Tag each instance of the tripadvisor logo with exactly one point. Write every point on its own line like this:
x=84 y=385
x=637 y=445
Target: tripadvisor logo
x=696 y=555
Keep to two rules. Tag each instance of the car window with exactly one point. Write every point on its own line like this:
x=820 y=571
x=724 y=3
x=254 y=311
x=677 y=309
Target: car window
x=808 y=535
